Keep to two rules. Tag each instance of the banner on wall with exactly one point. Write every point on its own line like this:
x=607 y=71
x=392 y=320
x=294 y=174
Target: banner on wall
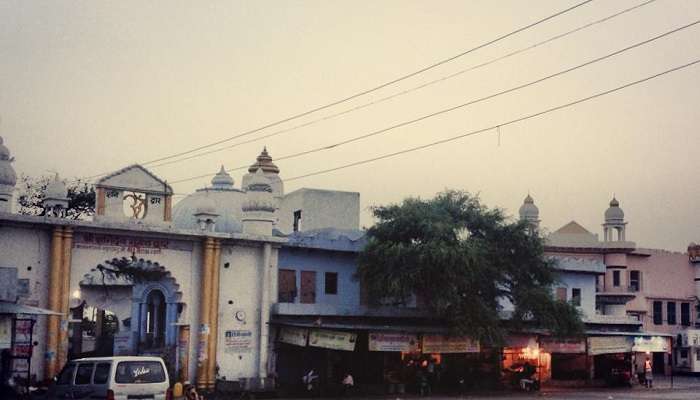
x=651 y=344
x=387 y=341
x=609 y=345
x=295 y=336
x=332 y=339
x=563 y=346
x=449 y=344
x=238 y=341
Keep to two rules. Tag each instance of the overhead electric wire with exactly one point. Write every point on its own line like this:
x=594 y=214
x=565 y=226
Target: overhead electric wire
x=471 y=102
x=367 y=91
x=407 y=91
x=502 y=124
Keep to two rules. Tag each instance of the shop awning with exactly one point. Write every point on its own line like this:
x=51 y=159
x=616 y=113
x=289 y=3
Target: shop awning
x=363 y=326
x=7 y=307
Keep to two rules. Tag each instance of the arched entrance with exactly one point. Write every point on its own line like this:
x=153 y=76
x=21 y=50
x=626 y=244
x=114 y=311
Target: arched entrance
x=136 y=304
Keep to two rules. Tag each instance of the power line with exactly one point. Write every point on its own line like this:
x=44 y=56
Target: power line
x=513 y=121
x=367 y=91
x=410 y=90
x=471 y=102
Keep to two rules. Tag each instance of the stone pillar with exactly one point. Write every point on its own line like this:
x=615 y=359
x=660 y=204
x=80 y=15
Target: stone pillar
x=67 y=251
x=265 y=311
x=204 y=313
x=55 y=288
x=214 y=314
x=183 y=352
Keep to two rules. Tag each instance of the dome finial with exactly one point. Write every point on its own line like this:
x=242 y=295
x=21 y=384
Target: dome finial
x=222 y=180
x=264 y=161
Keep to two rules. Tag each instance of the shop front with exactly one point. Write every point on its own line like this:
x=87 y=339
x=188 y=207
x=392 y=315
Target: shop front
x=381 y=361
x=569 y=361
x=612 y=359
x=657 y=348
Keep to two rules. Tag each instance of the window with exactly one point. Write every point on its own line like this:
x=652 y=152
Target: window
x=139 y=372
x=67 y=375
x=635 y=281
x=561 y=293
x=576 y=296
x=671 y=312
x=331 y=283
x=297 y=220
x=287 y=286
x=684 y=353
x=84 y=373
x=657 y=309
x=101 y=373
x=697 y=354
x=616 y=278
x=685 y=314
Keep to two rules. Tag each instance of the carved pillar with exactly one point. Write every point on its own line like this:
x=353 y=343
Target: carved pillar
x=214 y=314
x=55 y=287
x=66 y=259
x=183 y=351
x=204 y=313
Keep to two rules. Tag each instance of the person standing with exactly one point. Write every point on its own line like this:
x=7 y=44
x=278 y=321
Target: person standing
x=648 y=375
x=348 y=383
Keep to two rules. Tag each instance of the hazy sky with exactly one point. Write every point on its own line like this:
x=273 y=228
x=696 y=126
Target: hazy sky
x=88 y=87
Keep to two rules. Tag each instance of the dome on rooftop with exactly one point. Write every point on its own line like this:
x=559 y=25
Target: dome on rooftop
x=529 y=210
x=614 y=213
x=221 y=199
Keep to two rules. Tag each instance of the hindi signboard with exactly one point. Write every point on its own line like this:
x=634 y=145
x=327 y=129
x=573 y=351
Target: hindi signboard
x=387 y=341
x=563 y=346
x=295 y=336
x=651 y=344
x=332 y=339
x=238 y=341
x=449 y=344
x=609 y=345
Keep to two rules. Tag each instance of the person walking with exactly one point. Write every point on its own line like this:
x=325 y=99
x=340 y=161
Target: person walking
x=648 y=375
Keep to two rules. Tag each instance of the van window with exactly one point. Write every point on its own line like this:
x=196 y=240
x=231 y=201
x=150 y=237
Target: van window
x=140 y=372
x=101 y=373
x=66 y=375
x=82 y=377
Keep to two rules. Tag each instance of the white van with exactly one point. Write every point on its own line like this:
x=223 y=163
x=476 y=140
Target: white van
x=113 y=378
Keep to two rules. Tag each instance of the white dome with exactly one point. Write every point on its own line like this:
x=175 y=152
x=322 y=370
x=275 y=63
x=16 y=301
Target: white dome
x=614 y=213
x=205 y=205
x=8 y=177
x=226 y=203
x=529 y=210
x=259 y=194
x=56 y=189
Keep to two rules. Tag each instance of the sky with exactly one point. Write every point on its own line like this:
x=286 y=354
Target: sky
x=90 y=87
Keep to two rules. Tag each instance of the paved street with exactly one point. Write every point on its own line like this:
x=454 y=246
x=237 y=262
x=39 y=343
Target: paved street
x=684 y=388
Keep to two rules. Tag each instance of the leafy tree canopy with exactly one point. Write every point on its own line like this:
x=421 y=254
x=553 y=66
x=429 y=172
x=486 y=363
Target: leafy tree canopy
x=462 y=260
x=81 y=197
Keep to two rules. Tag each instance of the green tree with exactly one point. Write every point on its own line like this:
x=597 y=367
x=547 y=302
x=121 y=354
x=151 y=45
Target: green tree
x=32 y=190
x=461 y=259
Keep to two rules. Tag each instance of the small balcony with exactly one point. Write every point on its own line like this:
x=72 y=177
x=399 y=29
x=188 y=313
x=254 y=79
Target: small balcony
x=615 y=294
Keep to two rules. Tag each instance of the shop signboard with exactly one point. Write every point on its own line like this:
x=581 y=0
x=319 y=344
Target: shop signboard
x=295 y=336
x=449 y=344
x=609 y=345
x=563 y=346
x=332 y=340
x=651 y=344
x=387 y=341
